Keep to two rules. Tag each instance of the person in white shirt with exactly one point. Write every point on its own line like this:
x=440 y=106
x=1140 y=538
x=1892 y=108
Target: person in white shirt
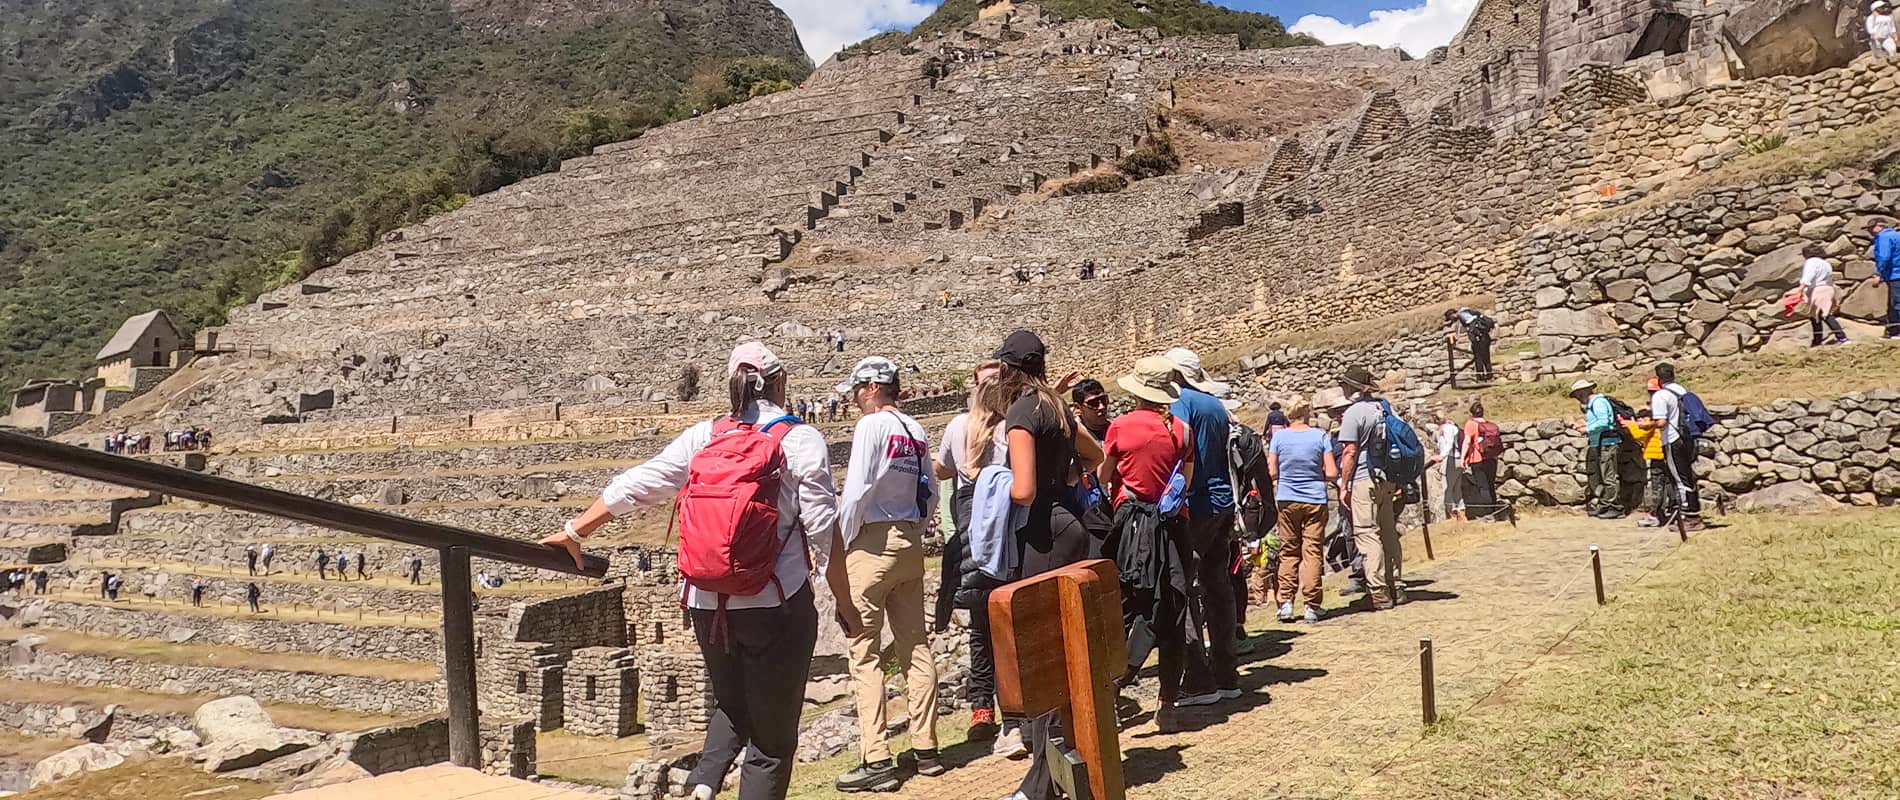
x=889 y=493
x=1449 y=458
x=1880 y=29
x=1818 y=289
x=758 y=664
x=1679 y=450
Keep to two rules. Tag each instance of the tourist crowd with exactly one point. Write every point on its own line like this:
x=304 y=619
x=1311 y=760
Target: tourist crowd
x=125 y=443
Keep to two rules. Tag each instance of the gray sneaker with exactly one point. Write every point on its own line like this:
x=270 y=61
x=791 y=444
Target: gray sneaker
x=1312 y=615
x=878 y=777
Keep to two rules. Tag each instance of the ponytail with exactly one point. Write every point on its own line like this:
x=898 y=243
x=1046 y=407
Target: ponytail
x=744 y=388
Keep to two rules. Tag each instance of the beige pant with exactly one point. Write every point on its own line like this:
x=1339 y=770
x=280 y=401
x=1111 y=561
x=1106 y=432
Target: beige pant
x=1375 y=529
x=886 y=566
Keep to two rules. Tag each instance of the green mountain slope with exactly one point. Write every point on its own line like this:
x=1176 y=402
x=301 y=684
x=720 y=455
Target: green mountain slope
x=188 y=154
x=1171 y=17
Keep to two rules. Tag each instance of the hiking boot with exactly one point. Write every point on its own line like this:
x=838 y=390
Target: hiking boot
x=928 y=763
x=1286 y=612
x=1312 y=615
x=982 y=725
x=1399 y=597
x=871 y=777
x=1010 y=745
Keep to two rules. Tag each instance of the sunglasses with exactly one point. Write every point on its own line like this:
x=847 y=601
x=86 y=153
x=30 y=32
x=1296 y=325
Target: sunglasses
x=1098 y=401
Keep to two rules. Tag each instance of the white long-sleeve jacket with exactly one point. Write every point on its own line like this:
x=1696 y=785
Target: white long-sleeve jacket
x=807 y=498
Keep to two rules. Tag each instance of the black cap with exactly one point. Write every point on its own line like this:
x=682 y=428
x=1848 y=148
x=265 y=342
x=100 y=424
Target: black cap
x=1357 y=377
x=1023 y=350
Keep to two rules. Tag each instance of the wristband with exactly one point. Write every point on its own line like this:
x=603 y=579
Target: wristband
x=572 y=533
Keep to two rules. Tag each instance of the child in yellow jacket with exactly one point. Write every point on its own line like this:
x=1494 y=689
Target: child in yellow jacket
x=1651 y=440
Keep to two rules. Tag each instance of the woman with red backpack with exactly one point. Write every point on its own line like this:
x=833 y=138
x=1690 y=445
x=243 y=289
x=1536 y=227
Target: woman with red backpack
x=754 y=493
x=1484 y=443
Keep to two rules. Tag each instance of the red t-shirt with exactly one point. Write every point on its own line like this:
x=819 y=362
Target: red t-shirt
x=1145 y=452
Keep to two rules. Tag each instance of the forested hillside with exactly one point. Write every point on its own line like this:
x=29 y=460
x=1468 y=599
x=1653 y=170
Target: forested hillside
x=1171 y=17
x=188 y=154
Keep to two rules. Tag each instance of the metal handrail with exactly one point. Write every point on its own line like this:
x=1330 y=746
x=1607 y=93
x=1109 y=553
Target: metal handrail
x=454 y=545
x=136 y=473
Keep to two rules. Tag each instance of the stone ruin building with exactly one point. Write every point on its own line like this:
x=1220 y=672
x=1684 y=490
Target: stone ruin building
x=1565 y=165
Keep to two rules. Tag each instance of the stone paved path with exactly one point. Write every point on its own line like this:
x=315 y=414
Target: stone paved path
x=1328 y=705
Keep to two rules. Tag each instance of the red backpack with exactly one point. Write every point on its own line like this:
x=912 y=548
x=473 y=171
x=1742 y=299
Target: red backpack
x=1490 y=440
x=728 y=510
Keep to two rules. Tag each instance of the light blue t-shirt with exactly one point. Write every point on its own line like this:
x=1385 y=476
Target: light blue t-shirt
x=1302 y=457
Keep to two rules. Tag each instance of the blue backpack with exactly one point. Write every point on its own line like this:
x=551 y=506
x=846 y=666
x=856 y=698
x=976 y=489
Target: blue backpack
x=1397 y=454
x=1696 y=420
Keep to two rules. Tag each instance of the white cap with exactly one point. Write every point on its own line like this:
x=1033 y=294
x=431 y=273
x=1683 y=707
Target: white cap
x=872 y=369
x=1188 y=363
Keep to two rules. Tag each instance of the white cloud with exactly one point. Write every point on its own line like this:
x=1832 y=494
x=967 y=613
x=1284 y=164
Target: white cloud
x=1417 y=29
x=825 y=26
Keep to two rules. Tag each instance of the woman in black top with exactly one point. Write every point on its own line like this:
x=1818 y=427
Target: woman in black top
x=1044 y=442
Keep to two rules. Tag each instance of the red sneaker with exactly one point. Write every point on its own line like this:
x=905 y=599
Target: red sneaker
x=982 y=725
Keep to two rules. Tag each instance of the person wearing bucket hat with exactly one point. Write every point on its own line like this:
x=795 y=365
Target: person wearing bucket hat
x=758 y=647
x=1148 y=450
x=889 y=494
x=1371 y=503
x=1603 y=485
x=1210 y=521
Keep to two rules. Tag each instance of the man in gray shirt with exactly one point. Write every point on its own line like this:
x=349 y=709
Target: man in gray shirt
x=1373 y=504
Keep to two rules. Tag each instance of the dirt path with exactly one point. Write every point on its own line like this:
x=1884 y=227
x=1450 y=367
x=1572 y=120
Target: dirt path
x=1327 y=706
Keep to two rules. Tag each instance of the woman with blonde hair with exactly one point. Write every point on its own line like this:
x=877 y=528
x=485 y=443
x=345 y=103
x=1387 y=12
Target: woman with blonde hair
x=1301 y=460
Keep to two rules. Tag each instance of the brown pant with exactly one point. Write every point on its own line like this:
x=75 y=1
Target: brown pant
x=1302 y=541
x=886 y=566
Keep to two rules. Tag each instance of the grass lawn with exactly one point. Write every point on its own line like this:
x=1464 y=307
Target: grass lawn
x=1755 y=379
x=1758 y=662
x=288 y=715
x=217 y=655
x=166 y=778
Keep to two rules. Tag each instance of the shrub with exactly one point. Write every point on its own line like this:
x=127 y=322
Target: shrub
x=1765 y=144
x=1108 y=183
x=1153 y=159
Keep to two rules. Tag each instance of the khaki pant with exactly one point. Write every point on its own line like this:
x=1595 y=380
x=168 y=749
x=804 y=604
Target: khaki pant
x=886 y=566
x=1302 y=542
x=1375 y=529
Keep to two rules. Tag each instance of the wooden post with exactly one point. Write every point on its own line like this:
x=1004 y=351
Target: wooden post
x=1682 y=525
x=1427 y=692
x=458 y=659
x=1596 y=566
x=1425 y=512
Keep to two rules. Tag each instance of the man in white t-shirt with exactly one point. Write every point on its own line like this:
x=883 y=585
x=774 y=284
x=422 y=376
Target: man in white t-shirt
x=890 y=490
x=1679 y=449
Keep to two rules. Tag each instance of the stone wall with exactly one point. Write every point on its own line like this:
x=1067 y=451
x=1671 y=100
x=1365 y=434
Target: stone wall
x=1702 y=276
x=175 y=587
x=71 y=722
x=675 y=696
x=353 y=692
x=508 y=747
x=1845 y=446
x=603 y=690
x=1411 y=366
x=593 y=618
x=257 y=633
x=521 y=679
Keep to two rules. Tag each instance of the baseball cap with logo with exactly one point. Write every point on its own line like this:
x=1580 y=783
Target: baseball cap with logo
x=1152 y=380
x=873 y=369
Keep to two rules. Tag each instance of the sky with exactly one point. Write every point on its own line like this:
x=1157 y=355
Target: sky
x=1416 y=25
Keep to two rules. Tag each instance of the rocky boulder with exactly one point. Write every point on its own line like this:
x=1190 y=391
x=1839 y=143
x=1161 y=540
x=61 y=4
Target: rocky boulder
x=1770 y=276
x=1788 y=498
x=238 y=733
x=65 y=764
x=1575 y=322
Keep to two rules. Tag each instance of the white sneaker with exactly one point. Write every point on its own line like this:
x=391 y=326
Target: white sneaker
x=1010 y=745
x=702 y=792
x=1192 y=700
x=1229 y=694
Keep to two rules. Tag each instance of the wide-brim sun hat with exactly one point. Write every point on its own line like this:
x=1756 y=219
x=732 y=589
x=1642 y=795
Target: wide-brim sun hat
x=1152 y=380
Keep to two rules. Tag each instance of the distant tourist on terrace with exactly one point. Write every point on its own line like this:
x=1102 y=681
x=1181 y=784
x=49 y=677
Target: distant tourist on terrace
x=1478 y=329
x=757 y=644
x=1887 y=266
x=1819 y=292
x=1880 y=29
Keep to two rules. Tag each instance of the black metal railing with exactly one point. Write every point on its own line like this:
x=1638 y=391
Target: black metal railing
x=455 y=545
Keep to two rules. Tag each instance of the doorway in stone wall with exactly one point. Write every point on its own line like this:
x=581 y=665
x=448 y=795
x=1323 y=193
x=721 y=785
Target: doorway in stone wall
x=1667 y=33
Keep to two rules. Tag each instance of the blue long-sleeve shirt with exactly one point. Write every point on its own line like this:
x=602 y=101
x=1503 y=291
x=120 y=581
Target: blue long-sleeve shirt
x=1887 y=254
